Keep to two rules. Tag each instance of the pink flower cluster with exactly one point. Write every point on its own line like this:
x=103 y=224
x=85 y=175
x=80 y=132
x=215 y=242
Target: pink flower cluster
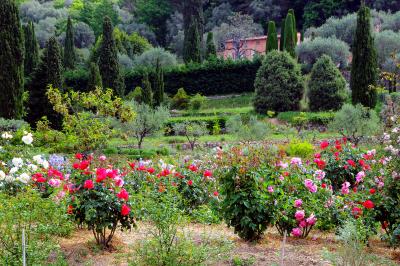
x=345 y=188
x=303 y=224
x=310 y=185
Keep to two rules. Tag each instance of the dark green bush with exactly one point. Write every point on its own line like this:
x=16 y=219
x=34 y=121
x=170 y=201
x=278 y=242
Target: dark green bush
x=180 y=100
x=77 y=79
x=326 y=87
x=279 y=84
x=320 y=118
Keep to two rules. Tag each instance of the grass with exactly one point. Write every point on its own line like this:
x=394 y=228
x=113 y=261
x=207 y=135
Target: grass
x=228 y=101
x=217 y=112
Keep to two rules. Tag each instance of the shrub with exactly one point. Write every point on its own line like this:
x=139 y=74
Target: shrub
x=355 y=122
x=191 y=130
x=326 y=87
x=320 y=118
x=247 y=130
x=180 y=100
x=279 y=84
x=300 y=149
x=135 y=95
x=150 y=58
x=197 y=101
x=12 y=125
x=310 y=51
x=387 y=42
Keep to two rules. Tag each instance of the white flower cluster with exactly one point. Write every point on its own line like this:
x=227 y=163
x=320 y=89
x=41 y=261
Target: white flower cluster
x=27 y=138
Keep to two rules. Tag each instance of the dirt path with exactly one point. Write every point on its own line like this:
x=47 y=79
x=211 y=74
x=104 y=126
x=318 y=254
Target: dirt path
x=80 y=249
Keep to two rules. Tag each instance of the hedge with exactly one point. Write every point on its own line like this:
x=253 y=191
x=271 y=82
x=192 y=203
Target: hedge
x=210 y=78
x=318 y=118
x=209 y=120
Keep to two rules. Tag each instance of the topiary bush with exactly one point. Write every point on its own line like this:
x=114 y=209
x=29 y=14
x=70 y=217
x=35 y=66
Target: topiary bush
x=279 y=84
x=180 y=100
x=327 y=86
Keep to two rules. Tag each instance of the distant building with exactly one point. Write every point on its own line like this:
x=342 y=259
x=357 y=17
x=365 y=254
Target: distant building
x=248 y=47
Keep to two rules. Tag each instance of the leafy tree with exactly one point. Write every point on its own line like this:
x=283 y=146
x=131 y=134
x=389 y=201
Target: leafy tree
x=69 y=47
x=272 y=42
x=364 y=69
x=355 y=122
x=289 y=38
x=192 y=44
x=94 y=77
x=158 y=85
x=181 y=99
x=150 y=58
x=48 y=72
x=31 y=49
x=247 y=130
x=132 y=45
x=326 y=87
x=279 y=84
x=316 y=12
x=147 y=122
x=108 y=60
x=211 y=50
x=147 y=97
x=94 y=12
x=11 y=61
x=191 y=130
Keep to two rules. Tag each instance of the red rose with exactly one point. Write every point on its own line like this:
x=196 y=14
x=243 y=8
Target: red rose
x=216 y=193
x=101 y=174
x=79 y=156
x=123 y=194
x=70 y=209
x=207 y=173
x=355 y=189
x=150 y=170
x=132 y=165
x=352 y=163
x=324 y=144
x=372 y=191
x=83 y=165
x=125 y=210
x=193 y=168
x=357 y=212
x=368 y=204
x=317 y=156
x=38 y=177
x=75 y=165
x=190 y=182
x=88 y=184
x=323 y=185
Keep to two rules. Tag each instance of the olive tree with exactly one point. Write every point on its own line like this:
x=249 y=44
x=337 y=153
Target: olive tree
x=191 y=130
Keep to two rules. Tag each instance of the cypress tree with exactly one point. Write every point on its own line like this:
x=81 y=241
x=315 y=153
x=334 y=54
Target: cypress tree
x=69 y=47
x=31 y=49
x=94 y=77
x=282 y=40
x=291 y=11
x=272 y=38
x=158 y=85
x=108 y=60
x=193 y=10
x=364 y=69
x=48 y=72
x=11 y=61
x=290 y=44
x=147 y=96
x=211 y=51
x=192 y=44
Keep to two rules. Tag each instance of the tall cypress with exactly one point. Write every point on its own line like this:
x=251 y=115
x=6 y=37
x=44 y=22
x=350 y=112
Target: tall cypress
x=158 y=85
x=11 y=61
x=211 y=51
x=291 y=11
x=364 y=68
x=48 y=72
x=290 y=43
x=94 y=77
x=69 y=47
x=272 y=38
x=282 y=39
x=108 y=60
x=31 y=49
x=147 y=96
x=192 y=44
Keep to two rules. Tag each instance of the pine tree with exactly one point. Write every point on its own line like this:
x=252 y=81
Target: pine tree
x=192 y=44
x=291 y=11
x=364 y=69
x=31 y=49
x=11 y=61
x=69 y=47
x=147 y=96
x=290 y=44
x=211 y=51
x=282 y=40
x=159 y=85
x=48 y=72
x=272 y=41
x=94 y=77
x=108 y=60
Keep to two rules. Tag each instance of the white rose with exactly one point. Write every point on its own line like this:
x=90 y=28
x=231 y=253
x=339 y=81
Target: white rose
x=6 y=135
x=27 y=139
x=13 y=170
x=9 y=178
x=2 y=175
x=37 y=158
x=24 y=178
x=45 y=164
x=17 y=162
x=33 y=167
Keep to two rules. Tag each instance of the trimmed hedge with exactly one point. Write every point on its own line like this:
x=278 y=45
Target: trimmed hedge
x=210 y=78
x=318 y=118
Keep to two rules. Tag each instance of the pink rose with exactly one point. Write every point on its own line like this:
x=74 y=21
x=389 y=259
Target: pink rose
x=299 y=215
x=311 y=220
x=298 y=203
x=297 y=232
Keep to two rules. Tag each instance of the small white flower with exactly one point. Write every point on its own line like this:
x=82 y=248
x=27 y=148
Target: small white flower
x=17 y=162
x=24 y=178
x=6 y=135
x=9 y=178
x=2 y=175
x=45 y=164
x=33 y=167
x=13 y=170
x=27 y=139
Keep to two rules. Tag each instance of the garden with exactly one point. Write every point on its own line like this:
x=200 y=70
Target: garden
x=127 y=137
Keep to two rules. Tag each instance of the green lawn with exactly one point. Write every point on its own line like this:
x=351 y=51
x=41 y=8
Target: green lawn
x=228 y=101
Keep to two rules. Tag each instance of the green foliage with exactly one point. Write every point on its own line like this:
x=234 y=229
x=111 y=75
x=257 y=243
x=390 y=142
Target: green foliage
x=192 y=44
x=297 y=148
x=326 y=88
x=246 y=206
x=316 y=12
x=69 y=47
x=12 y=61
x=42 y=219
x=355 y=122
x=364 y=70
x=197 y=101
x=135 y=95
x=150 y=57
x=180 y=100
x=320 y=118
x=158 y=85
x=108 y=60
x=211 y=50
x=49 y=72
x=282 y=40
x=131 y=45
x=290 y=35
x=272 y=42
x=209 y=121
x=94 y=77
x=191 y=130
x=31 y=49
x=147 y=91
x=279 y=84
x=247 y=129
